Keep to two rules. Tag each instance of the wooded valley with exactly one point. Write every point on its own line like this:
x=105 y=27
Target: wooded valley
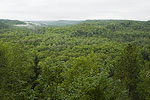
x=87 y=60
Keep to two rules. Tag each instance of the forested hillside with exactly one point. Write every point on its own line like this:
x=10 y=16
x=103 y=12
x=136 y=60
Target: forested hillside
x=10 y=22
x=91 y=60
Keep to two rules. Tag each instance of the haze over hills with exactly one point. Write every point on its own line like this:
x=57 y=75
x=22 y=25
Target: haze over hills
x=40 y=23
x=8 y=22
x=57 y=23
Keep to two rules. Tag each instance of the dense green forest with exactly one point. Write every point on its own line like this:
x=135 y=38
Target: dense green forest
x=91 y=60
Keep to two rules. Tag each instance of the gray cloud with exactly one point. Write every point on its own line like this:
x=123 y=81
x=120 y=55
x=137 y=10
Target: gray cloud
x=74 y=9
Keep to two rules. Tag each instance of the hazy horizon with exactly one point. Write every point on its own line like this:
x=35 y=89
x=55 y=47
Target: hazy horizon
x=44 y=10
x=69 y=19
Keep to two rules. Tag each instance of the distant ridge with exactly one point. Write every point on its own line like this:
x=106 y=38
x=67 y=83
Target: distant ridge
x=57 y=22
x=11 y=22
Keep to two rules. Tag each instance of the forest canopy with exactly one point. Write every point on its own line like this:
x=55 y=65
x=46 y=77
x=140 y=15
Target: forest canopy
x=84 y=60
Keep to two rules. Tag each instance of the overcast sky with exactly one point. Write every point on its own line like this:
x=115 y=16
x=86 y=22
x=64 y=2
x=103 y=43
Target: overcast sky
x=74 y=9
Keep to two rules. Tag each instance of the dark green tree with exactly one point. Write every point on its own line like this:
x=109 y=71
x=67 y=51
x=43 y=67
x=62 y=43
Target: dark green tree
x=15 y=72
x=143 y=85
x=127 y=70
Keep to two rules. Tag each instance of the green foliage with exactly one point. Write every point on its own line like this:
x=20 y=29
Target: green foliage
x=87 y=61
x=127 y=70
x=15 y=70
x=143 y=85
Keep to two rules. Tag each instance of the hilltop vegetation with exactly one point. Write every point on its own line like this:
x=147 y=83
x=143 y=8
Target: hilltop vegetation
x=10 y=22
x=91 y=60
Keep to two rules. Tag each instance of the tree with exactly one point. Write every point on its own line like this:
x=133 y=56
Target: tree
x=15 y=72
x=127 y=70
x=86 y=80
x=49 y=80
x=143 y=85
